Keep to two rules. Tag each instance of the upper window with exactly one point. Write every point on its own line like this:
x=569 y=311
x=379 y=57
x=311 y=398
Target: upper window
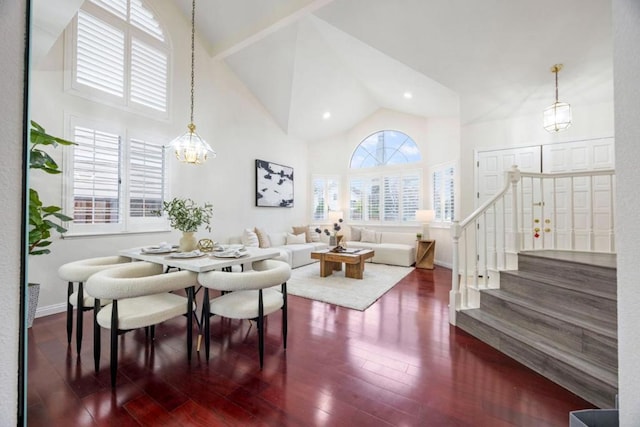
x=387 y=147
x=120 y=55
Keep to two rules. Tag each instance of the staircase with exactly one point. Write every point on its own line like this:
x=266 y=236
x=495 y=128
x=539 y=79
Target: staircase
x=557 y=315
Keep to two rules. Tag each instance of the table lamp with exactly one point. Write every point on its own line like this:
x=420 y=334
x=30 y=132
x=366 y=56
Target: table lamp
x=425 y=216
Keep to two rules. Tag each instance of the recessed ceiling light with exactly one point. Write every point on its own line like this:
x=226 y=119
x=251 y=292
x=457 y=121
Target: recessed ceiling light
x=326 y=115
x=408 y=95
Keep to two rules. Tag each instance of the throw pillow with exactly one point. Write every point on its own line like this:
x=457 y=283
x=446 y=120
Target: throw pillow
x=303 y=229
x=263 y=238
x=368 y=236
x=295 y=239
x=315 y=237
x=249 y=238
x=356 y=234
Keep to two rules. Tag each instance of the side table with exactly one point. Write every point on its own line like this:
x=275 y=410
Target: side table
x=425 y=252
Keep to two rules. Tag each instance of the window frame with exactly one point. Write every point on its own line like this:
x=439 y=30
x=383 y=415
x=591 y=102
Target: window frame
x=127 y=223
x=130 y=32
x=327 y=207
x=441 y=213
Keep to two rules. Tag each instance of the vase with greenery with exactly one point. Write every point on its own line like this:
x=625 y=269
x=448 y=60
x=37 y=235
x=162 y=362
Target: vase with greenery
x=333 y=238
x=186 y=216
x=42 y=219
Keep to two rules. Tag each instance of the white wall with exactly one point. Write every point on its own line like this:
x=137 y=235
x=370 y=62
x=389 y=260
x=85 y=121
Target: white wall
x=12 y=34
x=437 y=138
x=589 y=121
x=626 y=19
x=227 y=116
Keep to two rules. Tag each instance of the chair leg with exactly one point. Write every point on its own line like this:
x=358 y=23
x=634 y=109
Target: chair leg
x=206 y=321
x=114 y=342
x=189 y=322
x=152 y=328
x=260 y=327
x=79 y=317
x=69 y=312
x=96 y=335
x=284 y=314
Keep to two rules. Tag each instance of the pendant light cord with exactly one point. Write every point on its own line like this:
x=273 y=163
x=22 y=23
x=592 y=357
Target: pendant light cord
x=193 y=54
x=556 y=86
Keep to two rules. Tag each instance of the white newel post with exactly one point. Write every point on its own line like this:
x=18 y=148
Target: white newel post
x=454 y=295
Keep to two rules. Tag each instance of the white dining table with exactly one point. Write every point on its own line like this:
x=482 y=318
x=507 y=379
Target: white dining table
x=207 y=262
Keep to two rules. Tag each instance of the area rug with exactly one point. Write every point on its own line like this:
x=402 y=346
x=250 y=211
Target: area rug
x=339 y=290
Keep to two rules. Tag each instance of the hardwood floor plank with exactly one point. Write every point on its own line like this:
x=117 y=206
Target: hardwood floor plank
x=398 y=363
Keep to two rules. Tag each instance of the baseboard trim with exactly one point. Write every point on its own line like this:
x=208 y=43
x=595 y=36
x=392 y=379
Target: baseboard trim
x=51 y=309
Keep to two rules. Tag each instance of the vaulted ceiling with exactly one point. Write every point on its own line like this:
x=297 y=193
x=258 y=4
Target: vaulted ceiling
x=473 y=59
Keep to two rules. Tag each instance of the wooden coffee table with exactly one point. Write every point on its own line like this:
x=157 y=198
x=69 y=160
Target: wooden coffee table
x=332 y=261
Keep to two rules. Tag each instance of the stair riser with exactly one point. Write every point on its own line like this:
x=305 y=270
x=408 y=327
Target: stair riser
x=601 y=310
x=586 y=276
x=590 y=344
x=581 y=383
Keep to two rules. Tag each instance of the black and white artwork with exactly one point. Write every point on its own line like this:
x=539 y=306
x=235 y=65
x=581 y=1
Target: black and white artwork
x=274 y=185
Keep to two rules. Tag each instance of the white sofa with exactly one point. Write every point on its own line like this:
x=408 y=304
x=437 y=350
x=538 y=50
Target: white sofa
x=390 y=247
x=296 y=255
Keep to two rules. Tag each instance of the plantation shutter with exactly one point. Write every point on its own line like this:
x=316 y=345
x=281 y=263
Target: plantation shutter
x=143 y=19
x=356 y=199
x=333 y=202
x=146 y=178
x=410 y=196
x=448 y=190
x=99 y=55
x=148 y=76
x=319 y=205
x=96 y=177
x=117 y=7
x=391 y=198
x=437 y=196
x=373 y=199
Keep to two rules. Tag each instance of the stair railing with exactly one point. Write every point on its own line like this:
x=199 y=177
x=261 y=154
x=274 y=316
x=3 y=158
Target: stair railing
x=566 y=211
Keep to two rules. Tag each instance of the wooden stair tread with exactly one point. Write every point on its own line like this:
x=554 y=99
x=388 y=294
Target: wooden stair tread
x=604 y=260
x=559 y=282
x=585 y=322
x=540 y=343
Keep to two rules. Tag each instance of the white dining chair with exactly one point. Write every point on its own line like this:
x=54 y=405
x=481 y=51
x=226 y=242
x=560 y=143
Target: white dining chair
x=141 y=296
x=79 y=272
x=247 y=295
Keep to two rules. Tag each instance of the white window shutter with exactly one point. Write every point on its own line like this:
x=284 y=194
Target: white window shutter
x=410 y=196
x=143 y=18
x=96 y=177
x=117 y=7
x=148 y=76
x=391 y=198
x=146 y=178
x=356 y=199
x=99 y=55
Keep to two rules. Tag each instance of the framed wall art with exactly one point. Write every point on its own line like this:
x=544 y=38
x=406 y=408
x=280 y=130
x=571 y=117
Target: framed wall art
x=274 y=185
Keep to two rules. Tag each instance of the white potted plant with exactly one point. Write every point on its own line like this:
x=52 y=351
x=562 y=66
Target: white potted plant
x=186 y=216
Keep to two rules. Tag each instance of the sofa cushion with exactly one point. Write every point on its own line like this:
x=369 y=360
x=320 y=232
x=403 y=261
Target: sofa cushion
x=303 y=229
x=263 y=238
x=249 y=238
x=356 y=234
x=295 y=239
x=368 y=236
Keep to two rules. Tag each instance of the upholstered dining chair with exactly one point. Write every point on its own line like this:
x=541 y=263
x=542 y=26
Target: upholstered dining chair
x=79 y=272
x=141 y=297
x=247 y=295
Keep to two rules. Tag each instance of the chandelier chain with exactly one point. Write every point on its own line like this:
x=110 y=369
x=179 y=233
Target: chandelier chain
x=193 y=54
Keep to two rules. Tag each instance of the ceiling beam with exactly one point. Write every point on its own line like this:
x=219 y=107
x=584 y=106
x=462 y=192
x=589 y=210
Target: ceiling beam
x=284 y=22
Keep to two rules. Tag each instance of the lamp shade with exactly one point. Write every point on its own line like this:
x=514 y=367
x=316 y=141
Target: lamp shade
x=557 y=117
x=191 y=148
x=425 y=215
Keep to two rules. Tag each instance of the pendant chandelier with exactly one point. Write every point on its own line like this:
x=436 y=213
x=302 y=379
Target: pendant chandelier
x=557 y=116
x=190 y=147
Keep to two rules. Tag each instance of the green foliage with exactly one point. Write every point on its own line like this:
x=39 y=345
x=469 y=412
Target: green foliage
x=186 y=216
x=40 y=216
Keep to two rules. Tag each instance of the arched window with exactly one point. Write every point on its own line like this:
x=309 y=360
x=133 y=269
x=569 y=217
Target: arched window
x=386 y=147
x=120 y=55
x=387 y=192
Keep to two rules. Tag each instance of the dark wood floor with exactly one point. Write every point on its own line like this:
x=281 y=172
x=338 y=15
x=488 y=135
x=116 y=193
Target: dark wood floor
x=399 y=363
